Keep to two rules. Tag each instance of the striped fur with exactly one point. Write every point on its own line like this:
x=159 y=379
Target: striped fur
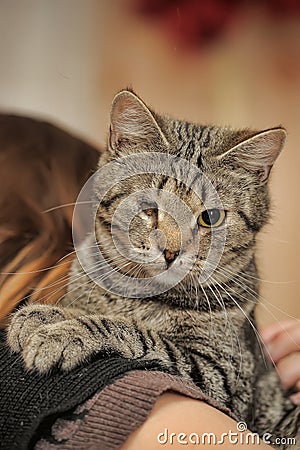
x=202 y=331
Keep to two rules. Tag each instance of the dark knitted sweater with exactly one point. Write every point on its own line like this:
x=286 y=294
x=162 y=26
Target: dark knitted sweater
x=94 y=407
x=30 y=402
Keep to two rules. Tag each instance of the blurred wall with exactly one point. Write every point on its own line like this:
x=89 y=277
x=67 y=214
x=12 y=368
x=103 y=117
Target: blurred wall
x=65 y=59
x=50 y=53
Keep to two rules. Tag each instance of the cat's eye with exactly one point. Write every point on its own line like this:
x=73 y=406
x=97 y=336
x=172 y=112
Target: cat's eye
x=150 y=211
x=211 y=218
x=149 y=208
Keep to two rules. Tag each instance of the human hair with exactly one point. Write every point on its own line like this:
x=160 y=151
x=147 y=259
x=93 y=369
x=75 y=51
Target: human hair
x=42 y=169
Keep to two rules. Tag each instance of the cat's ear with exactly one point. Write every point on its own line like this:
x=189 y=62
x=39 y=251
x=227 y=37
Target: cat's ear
x=258 y=153
x=132 y=123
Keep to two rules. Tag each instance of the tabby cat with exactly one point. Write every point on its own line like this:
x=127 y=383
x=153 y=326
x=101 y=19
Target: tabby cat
x=202 y=329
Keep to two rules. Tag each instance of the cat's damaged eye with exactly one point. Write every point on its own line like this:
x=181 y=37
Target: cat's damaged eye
x=150 y=212
x=212 y=218
x=149 y=208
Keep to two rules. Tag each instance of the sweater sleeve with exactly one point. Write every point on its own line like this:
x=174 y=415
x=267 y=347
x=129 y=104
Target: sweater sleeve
x=106 y=420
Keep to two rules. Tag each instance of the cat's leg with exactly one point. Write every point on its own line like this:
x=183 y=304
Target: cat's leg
x=70 y=342
x=29 y=318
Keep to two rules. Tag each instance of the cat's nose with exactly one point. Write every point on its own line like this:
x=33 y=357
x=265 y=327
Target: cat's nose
x=170 y=256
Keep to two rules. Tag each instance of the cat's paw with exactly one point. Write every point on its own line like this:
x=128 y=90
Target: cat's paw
x=26 y=321
x=58 y=345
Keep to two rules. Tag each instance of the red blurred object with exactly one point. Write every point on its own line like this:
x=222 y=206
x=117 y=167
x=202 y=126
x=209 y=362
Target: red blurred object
x=197 y=22
x=283 y=7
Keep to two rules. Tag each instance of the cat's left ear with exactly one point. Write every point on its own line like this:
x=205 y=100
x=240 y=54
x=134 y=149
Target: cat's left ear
x=258 y=153
x=133 y=123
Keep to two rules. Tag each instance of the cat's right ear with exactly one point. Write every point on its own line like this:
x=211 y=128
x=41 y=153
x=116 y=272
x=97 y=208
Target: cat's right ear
x=132 y=123
x=258 y=153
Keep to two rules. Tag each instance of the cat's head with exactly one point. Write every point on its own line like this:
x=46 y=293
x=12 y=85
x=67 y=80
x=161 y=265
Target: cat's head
x=215 y=188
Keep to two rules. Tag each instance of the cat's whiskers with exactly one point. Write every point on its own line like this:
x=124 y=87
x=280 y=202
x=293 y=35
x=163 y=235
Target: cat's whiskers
x=267 y=308
x=65 y=205
x=265 y=349
x=35 y=271
x=66 y=278
x=233 y=330
x=71 y=291
x=255 y=296
x=74 y=299
x=109 y=272
x=45 y=269
x=264 y=300
x=183 y=289
x=61 y=282
x=98 y=266
x=225 y=288
x=210 y=311
x=228 y=321
x=195 y=284
x=231 y=324
x=89 y=296
x=231 y=276
x=246 y=276
x=135 y=271
x=221 y=303
x=72 y=278
x=54 y=266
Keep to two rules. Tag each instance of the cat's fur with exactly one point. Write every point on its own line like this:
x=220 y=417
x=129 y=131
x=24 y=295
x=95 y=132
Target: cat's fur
x=204 y=331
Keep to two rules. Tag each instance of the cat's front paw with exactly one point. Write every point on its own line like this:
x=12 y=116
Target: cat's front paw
x=27 y=320
x=58 y=345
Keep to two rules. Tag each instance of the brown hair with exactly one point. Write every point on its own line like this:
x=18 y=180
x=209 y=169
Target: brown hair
x=42 y=168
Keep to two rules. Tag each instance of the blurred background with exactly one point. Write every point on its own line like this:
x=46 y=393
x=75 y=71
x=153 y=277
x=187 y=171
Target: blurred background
x=226 y=62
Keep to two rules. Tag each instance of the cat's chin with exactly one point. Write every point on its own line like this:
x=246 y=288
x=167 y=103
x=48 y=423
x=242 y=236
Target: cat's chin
x=167 y=278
